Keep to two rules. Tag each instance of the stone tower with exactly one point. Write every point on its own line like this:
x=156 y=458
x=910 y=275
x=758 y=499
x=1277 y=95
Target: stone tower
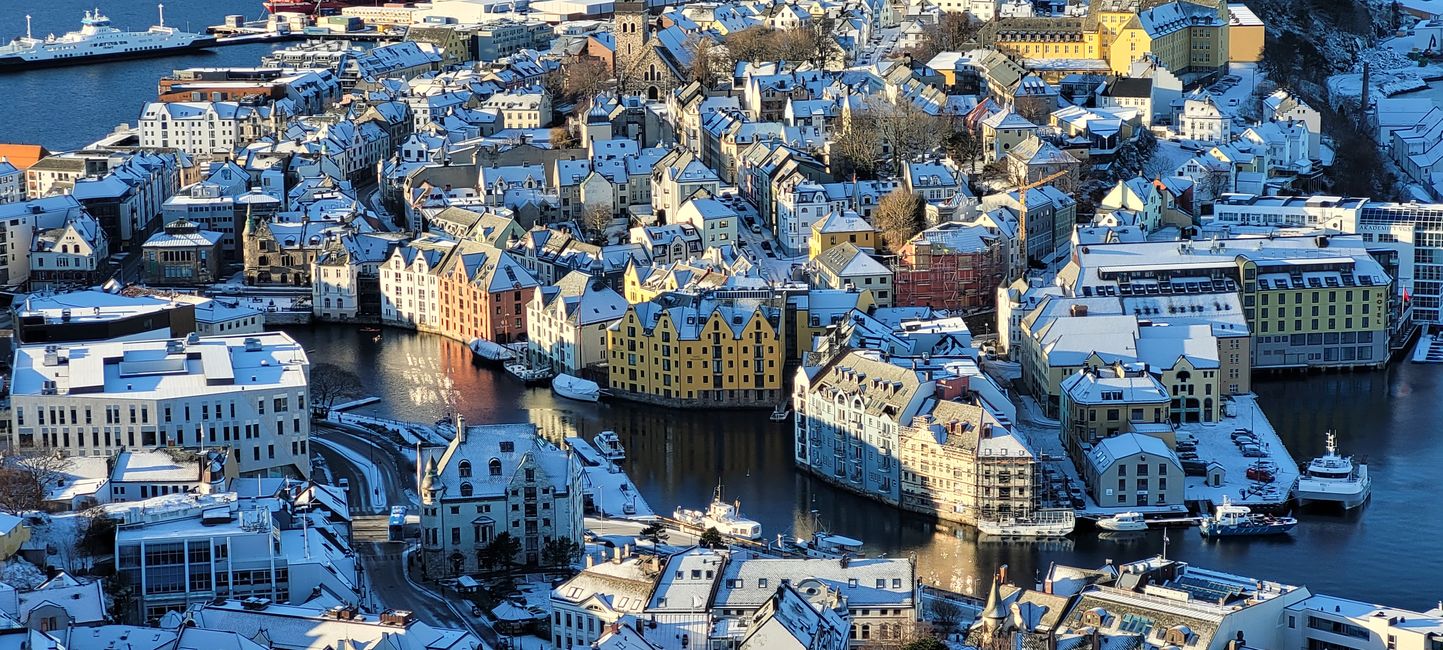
x=632 y=31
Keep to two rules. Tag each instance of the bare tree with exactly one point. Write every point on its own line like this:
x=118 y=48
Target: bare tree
x=856 y=150
x=595 y=220
x=331 y=383
x=20 y=490
x=899 y=216
x=708 y=61
x=904 y=130
x=953 y=31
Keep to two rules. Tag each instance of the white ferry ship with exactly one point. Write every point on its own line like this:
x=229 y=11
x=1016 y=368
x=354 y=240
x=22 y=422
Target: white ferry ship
x=1044 y=523
x=97 y=40
x=1331 y=478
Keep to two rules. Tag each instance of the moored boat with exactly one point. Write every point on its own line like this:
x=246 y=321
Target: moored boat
x=97 y=40
x=529 y=375
x=1230 y=520
x=490 y=351
x=1045 y=522
x=726 y=518
x=1123 y=522
x=573 y=387
x=609 y=445
x=1332 y=478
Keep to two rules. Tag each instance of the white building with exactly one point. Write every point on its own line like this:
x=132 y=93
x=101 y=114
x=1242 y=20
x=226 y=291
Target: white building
x=1203 y=121
x=201 y=128
x=408 y=284
x=20 y=223
x=797 y=210
x=494 y=480
x=566 y=322
x=92 y=399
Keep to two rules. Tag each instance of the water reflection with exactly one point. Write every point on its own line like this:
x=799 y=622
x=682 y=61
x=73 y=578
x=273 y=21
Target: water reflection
x=677 y=457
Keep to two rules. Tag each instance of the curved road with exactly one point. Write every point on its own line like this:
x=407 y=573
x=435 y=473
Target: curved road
x=386 y=561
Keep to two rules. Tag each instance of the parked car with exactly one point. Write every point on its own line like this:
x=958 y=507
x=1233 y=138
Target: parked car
x=756 y=228
x=1253 y=451
x=1260 y=474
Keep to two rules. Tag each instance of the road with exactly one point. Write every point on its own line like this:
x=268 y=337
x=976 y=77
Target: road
x=386 y=561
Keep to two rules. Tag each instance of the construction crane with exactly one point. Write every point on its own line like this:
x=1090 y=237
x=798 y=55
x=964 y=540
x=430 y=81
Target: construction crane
x=1022 y=211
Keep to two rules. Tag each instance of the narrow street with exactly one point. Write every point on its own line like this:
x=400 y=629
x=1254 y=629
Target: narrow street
x=386 y=561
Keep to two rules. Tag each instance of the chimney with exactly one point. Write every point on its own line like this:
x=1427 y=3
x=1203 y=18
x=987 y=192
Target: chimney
x=1002 y=575
x=460 y=428
x=590 y=560
x=616 y=555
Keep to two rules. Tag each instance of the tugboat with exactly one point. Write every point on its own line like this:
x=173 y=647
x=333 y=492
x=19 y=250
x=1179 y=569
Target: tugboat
x=609 y=445
x=1123 y=522
x=1044 y=523
x=725 y=517
x=1331 y=478
x=1240 y=521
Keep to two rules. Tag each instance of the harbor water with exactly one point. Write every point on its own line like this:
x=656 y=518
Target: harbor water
x=1386 y=551
x=67 y=108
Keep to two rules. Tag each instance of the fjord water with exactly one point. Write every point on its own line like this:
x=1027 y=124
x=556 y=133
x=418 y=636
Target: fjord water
x=1387 y=552
x=66 y=108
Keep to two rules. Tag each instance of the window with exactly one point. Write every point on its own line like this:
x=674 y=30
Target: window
x=464 y=469
x=495 y=466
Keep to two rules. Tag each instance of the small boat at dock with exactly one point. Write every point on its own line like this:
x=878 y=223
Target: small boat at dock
x=1230 y=520
x=609 y=445
x=573 y=387
x=781 y=413
x=725 y=517
x=1123 y=522
x=529 y=375
x=490 y=351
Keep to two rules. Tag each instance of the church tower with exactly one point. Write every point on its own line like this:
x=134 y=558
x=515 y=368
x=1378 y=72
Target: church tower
x=631 y=32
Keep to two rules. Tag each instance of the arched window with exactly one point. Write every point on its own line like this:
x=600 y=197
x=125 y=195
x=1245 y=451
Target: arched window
x=495 y=466
x=464 y=469
x=465 y=489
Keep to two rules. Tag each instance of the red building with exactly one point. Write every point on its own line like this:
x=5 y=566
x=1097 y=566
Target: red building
x=483 y=293
x=953 y=266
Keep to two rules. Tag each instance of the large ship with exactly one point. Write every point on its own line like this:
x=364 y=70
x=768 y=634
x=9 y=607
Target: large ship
x=317 y=6
x=1043 y=523
x=1331 y=478
x=97 y=40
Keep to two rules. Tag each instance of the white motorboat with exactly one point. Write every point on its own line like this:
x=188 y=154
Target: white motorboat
x=573 y=387
x=609 y=445
x=1046 y=522
x=1122 y=522
x=725 y=517
x=490 y=350
x=1331 y=478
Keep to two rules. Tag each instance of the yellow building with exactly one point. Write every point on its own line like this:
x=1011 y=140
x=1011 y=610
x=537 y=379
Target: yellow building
x=644 y=283
x=837 y=228
x=13 y=534
x=960 y=463
x=1185 y=35
x=697 y=352
x=817 y=310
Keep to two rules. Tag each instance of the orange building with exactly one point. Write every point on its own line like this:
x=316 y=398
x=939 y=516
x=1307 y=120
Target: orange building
x=483 y=293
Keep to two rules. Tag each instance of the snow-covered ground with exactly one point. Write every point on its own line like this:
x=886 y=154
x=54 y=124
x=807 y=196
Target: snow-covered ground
x=612 y=490
x=1214 y=442
x=411 y=432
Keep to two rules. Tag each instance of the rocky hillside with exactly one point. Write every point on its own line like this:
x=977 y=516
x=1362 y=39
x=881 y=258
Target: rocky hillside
x=1309 y=40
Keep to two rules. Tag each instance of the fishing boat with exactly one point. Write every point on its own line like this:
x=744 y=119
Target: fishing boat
x=609 y=445
x=725 y=517
x=1230 y=520
x=489 y=351
x=527 y=374
x=1045 y=522
x=573 y=387
x=1123 y=522
x=1332 y=478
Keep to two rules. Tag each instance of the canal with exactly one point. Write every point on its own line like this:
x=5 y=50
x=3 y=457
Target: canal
x=1386 y=552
